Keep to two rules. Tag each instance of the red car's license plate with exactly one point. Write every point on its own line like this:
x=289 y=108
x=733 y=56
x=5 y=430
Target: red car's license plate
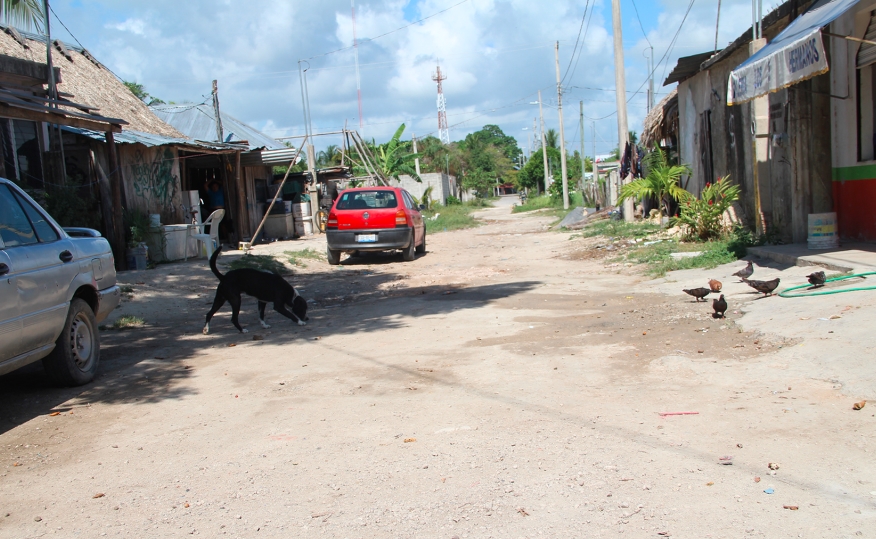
x=366 y=238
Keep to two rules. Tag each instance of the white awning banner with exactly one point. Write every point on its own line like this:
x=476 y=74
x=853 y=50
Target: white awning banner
x=794 y=55
x=796 y=61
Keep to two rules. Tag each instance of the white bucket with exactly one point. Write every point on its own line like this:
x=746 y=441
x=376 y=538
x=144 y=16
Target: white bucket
x=302 y=209
x=154 y=220
x=823 y=231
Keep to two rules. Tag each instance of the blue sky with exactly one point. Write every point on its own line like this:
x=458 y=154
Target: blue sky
x=496 y=54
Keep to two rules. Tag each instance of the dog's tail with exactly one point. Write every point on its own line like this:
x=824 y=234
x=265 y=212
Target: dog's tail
x=213 y=263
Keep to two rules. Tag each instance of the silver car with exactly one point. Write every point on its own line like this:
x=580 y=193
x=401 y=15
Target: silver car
x=56 y=285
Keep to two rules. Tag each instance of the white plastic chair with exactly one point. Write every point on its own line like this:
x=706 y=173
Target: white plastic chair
x=211 y=240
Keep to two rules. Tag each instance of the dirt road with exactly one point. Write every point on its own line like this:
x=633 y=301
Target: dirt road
x=495 y=387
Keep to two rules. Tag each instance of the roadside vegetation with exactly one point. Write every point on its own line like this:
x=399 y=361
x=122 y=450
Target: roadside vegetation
x=297 y=258
x=646 y=244
x=454 y=216
x=259 y=262
x=125 y=322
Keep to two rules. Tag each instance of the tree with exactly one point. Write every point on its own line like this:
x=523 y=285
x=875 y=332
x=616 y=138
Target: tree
x=140 y=93
x=551 y=137
x=25 y=14
x=531 y=176
x=634 y=138
x=329 y=157
x=660 y=183
x=480 y=181
x=394 y=159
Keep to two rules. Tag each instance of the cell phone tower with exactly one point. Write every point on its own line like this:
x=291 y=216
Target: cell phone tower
x=443 y=130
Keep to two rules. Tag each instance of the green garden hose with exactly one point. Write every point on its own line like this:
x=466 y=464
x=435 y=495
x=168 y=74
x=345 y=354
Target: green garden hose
x=784 y=293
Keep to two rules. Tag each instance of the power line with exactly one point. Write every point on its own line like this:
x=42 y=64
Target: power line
x=636 y=9
x=577 y=40
x=665 y=54
x=586 y=29
x=391 y=31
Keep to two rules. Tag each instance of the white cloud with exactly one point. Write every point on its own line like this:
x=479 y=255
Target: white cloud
x=496 y=55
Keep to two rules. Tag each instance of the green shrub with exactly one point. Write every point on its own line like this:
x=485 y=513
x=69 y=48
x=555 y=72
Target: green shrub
x=703 y=218
x=259 y=262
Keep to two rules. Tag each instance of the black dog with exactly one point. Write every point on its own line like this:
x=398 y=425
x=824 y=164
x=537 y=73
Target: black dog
x=262 y=285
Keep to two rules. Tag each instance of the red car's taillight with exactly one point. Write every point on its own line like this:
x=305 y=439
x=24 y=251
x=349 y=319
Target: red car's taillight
x=332 y=219
x=401 y=218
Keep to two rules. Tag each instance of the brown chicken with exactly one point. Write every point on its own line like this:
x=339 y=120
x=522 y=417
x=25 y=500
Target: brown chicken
x=698 y=293
x=715 y=285
x=719 y=306
x=764 y=287
x=745 y=272
x=817 y=278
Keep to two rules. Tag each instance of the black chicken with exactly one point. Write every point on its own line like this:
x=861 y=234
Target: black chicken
x=745 y=272
x=720 y=306
x=764 y=287
x=698 y=293
x=817 y=279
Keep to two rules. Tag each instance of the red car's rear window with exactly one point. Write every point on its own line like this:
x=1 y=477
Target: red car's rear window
x=364 y=200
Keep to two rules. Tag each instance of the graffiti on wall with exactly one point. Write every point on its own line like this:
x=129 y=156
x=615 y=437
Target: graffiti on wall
x=153 y=177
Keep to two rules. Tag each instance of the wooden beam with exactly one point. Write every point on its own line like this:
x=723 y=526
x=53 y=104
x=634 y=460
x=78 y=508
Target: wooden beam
x=242 y=214
x=115 y=178
x=21 y=113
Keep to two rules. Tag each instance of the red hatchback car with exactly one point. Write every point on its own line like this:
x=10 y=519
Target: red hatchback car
x=375 y=219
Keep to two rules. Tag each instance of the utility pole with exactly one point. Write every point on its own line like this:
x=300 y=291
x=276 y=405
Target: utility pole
x=623 y=133
x=595 y=168
x=563 y=171
x=416 y=159
x=219 y=133
x=581 y=130
x=543 y=143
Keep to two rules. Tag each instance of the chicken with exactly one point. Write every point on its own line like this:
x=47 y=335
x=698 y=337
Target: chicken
x=817 y=278
x=715 y=285
x=698 y=293
x=720 y=306
x=764 y=287
x=745 y=272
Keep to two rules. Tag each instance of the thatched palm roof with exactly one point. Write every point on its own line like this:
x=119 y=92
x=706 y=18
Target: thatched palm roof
x=657 y=124
x=90 y=83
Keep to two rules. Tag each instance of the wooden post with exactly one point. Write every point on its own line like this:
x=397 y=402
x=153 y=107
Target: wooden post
x=115 y=178
x=243 y=215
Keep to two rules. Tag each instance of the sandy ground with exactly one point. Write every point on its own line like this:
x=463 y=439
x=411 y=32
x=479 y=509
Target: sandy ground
x=498 y=386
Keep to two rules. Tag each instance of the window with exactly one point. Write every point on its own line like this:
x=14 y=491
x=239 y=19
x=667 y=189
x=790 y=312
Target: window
x=44 y=231
x=363 y=200
x=867 y=95
x=15 y=228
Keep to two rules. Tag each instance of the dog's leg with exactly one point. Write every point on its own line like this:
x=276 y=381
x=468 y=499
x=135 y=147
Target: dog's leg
x=280 y=308
x=217 y=304
x=235 y=311
x=262 y=305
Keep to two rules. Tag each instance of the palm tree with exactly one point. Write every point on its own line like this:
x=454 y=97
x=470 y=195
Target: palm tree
x=25 y=14
x=551 y=137
x=660 y=183
x=393 y=158
x=330 y=156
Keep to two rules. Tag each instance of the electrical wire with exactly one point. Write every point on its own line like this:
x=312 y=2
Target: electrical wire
x=586 y=29
x=636 y=9
x=577 y=40
x=665 y=54
x=391 y=31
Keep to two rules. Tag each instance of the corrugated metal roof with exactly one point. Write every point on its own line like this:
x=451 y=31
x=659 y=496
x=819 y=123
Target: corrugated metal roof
x=687 y=67
x=198 y=122
x=150 y=139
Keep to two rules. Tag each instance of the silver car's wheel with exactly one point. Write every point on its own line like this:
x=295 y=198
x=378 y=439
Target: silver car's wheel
x=76 y=355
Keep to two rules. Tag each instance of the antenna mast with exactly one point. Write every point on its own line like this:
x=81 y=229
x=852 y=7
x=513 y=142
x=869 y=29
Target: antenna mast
x=443 y=130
